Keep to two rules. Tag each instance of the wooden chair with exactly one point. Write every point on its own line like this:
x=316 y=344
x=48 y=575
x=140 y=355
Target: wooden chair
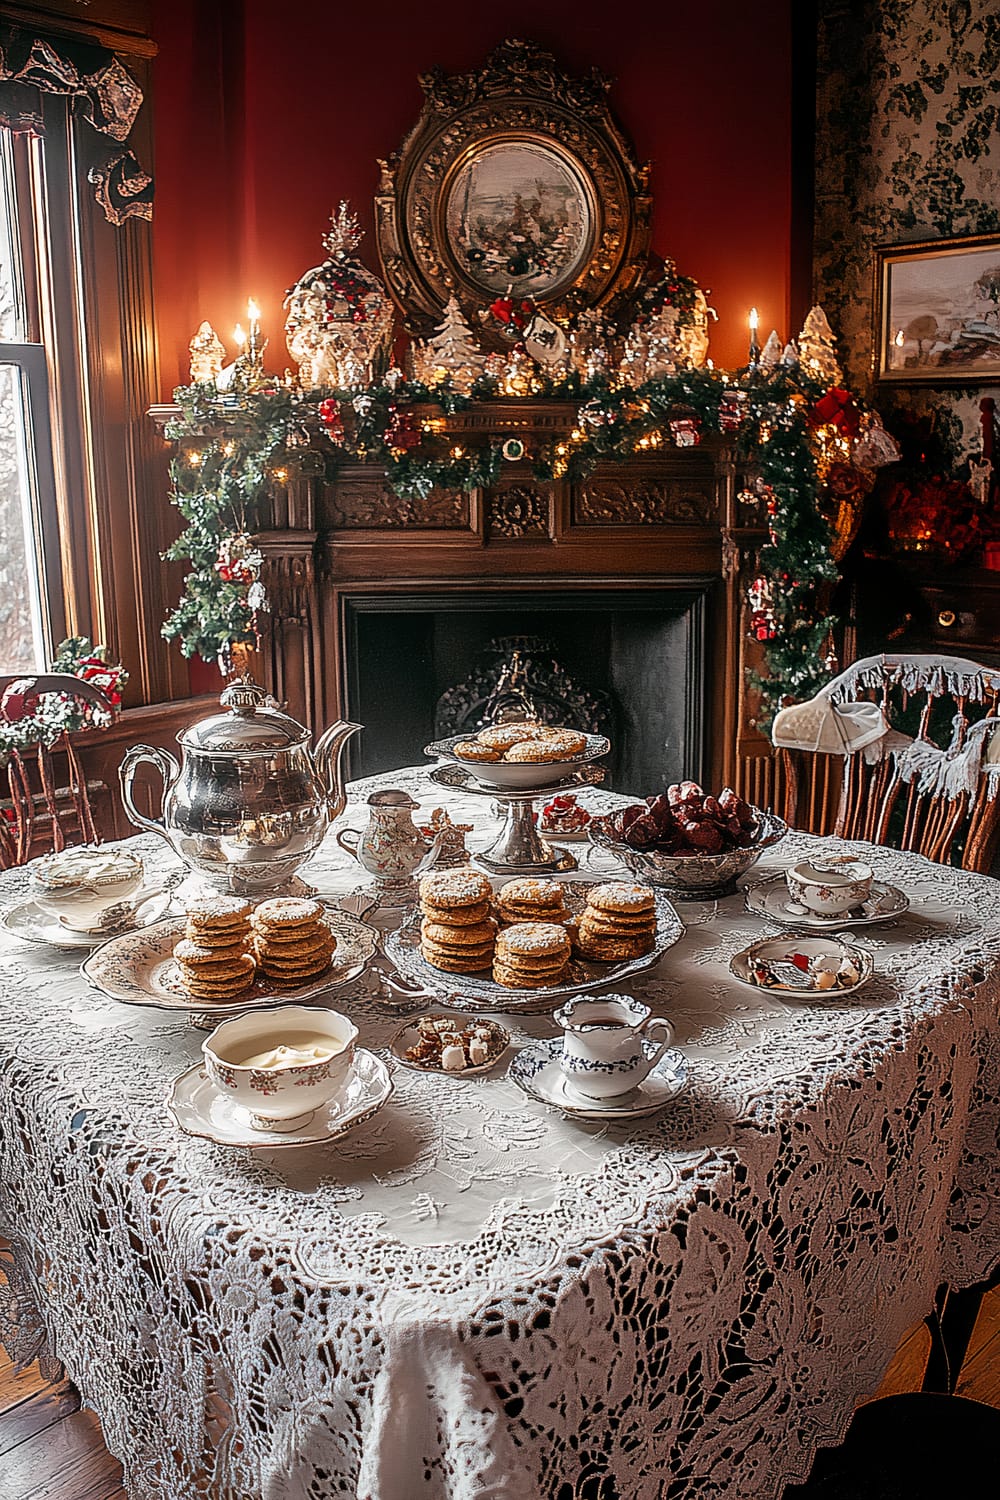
x=37 y=814
x=867 y=758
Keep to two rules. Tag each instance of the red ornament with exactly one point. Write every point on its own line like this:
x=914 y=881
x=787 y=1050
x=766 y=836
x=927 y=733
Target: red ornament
x=731 y=410
x=760 y=599
x=329 y=415
x=403 y=431
x=513 y=314
x=837 y=409
x=685 y=432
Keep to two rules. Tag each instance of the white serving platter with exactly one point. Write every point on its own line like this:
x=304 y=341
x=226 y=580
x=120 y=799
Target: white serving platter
x=139 y=968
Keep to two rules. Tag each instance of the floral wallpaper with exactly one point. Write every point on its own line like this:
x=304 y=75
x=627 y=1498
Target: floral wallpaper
x=907 y=148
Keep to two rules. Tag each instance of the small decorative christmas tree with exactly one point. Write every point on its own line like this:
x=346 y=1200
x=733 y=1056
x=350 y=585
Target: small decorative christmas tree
x=771 y=352
x=817 y=349
x=450 y=353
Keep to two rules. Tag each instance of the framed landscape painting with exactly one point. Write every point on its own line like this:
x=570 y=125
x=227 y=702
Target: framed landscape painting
x=937 y=312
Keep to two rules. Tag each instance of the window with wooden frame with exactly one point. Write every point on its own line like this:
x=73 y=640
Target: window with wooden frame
x=82 y=476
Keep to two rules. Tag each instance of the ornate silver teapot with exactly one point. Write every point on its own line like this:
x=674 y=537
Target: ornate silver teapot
x=251 y=802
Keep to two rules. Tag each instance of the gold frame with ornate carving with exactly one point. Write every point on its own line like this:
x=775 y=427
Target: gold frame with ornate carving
x=925 y=256
x=522 y=103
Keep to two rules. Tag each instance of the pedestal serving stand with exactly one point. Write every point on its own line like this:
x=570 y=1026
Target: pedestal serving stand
x=518 y=849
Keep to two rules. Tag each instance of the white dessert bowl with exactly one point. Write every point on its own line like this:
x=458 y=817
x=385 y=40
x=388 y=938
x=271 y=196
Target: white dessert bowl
x=830 y=885
x=282 y=1094
x=79 y=886
x=517 y=775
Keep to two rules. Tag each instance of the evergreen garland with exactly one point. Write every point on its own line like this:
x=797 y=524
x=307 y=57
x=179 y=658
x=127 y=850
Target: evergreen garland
x=219 y=474
x=232 y=449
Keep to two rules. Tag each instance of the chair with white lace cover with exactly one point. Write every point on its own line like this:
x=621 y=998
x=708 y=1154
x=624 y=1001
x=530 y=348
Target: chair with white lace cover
x=932 y=793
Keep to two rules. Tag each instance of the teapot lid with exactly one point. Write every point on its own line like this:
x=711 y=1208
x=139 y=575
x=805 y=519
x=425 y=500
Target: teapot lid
x=253 y=725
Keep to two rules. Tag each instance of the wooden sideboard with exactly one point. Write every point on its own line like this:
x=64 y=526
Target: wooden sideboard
x=926 y=605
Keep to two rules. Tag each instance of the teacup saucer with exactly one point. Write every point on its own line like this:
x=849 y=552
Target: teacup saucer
x=537 y=1070
x=197 y=1106
x=770 y=898
x=31 y=924
x=787 y=966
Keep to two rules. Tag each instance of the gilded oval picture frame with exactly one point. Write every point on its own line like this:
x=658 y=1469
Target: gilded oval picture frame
x=515 y=178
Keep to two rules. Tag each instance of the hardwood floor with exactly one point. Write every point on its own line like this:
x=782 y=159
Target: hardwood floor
x=51 y=1450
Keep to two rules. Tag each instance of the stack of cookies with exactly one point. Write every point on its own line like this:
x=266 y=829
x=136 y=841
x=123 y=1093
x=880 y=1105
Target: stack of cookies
x=619 y=922
x=457 y=932
x=214 y=957
x=531 y=900
x=531 y=955
x=293 y=942
x=526 y=742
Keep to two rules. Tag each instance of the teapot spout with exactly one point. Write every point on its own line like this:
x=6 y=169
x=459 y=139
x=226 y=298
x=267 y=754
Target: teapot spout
x=328 y=753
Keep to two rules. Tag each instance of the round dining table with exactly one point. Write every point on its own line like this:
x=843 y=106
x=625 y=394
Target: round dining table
x=472 y=1295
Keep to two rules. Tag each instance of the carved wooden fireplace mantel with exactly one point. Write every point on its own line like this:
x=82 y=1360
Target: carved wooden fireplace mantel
x=665 y=522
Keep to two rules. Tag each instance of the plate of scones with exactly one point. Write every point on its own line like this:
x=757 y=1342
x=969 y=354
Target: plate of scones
x=230 y=954
x=524 y=753
x=522 y=945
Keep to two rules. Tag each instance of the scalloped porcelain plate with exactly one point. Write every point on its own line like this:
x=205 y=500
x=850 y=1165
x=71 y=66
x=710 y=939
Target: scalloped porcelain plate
x=537 y=1070
x=139 y=968
x=478 y=993
x=518 y=774
x=31 y=924
x=770 y=898
x=780 y=950
x=200 y=1109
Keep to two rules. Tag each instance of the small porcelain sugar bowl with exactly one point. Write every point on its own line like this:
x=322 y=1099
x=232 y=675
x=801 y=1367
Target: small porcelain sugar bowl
x=829 y=885
x=79 y=886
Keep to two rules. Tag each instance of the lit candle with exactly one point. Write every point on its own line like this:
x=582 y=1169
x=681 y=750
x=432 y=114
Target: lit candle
x=754 y=321
x=253 y=317
x=239 y=338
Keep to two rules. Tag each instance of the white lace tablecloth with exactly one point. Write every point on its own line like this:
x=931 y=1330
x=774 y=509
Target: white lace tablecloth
x=473 y=1297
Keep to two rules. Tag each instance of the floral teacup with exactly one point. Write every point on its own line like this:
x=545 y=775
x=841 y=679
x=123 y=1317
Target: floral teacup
x=830 y=885
x=608 y=1046
x=281 y=1065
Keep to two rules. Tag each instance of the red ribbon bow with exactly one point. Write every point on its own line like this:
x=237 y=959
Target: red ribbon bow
x=837 y=409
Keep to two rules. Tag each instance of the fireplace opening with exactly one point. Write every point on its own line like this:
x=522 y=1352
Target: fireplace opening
x=636 y=656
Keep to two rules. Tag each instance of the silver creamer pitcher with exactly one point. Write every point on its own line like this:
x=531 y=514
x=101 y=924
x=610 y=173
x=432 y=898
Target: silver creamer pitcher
x=251 y=801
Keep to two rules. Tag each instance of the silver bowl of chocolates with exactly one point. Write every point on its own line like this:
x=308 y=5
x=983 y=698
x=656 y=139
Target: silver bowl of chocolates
x=688 y=842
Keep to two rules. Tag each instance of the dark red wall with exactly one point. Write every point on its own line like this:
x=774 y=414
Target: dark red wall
x=268 y=113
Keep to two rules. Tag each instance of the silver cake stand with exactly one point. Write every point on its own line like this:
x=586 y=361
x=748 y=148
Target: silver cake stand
x=518 y=849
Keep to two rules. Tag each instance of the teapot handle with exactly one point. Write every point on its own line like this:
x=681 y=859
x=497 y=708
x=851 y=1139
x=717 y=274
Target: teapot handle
x=341 y=835
x=168 y=768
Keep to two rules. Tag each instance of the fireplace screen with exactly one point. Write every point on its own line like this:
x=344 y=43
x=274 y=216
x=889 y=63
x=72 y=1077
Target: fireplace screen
x=522 y=673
